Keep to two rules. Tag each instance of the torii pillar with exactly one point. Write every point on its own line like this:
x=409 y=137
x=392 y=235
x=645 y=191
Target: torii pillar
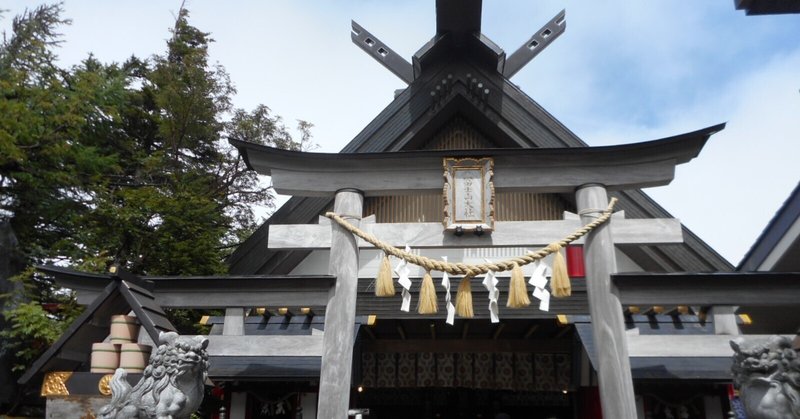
x=340 y=313
x=608 y=326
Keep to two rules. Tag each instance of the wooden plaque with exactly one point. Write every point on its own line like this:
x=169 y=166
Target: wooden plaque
x=468 y=194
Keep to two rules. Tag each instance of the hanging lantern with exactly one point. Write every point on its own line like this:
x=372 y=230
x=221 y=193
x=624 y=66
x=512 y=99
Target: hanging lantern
x=575 y=266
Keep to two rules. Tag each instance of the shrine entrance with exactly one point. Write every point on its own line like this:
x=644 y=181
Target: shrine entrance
x=470 y=179
x=462 y=403
x=472 y=369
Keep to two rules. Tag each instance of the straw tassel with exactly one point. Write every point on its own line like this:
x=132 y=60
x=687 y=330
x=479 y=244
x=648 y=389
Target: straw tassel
x=464 y=298
x=559 y=284
x=427 y=296
x=517 y=290
x=384 y=284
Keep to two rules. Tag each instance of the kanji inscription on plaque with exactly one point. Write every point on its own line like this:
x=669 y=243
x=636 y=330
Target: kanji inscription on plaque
x=468 y=194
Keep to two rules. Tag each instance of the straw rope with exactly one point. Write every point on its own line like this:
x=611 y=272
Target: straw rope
x=475 y=270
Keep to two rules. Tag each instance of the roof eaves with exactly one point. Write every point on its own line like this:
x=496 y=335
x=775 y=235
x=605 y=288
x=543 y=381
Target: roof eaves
x=86 y=316
x=786 y=215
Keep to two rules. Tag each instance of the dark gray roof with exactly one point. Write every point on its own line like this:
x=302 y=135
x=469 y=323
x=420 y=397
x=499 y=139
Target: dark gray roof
x=708 y=289
x=122 y=294
x=768 y=7
x=715 y=368
x=506 y=115
x=768 y=298
x=541 y=170
x=264 y=368
x=773 y=233
x=712 y=368
x=272 y=368
x=282 y=325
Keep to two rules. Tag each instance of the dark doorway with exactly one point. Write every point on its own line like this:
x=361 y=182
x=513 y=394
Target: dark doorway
x=463 y=403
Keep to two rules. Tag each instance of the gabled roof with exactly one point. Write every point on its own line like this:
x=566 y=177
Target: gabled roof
x=768 y=7
x=778 y=246
x=460 y=80
x=124 y=293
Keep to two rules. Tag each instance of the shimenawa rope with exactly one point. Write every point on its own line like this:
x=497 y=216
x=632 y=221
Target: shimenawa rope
x=480 y=269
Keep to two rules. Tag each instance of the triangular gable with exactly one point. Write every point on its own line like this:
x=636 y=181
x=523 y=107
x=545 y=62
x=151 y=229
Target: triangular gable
x=138 y=293
x=524 y=116
x=460 y=134
x=71 y=351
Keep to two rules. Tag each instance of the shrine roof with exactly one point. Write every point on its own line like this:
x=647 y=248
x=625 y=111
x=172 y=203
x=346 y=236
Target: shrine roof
x=778 y=246
x=460 y=73
x=217 y=291
x=769 y=299
x=768 y=7
x=543 y=169
x=708 y=289
x=121 y=293
x=681 y=148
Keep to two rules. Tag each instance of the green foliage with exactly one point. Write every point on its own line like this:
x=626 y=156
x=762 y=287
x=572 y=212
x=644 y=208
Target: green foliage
x=121 y=163
x=31 y=322
x=32 y=330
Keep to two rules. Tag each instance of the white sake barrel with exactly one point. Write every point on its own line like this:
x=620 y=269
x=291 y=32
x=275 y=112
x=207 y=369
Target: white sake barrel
x=105 y=357
x=124 y=329
x=133 y=357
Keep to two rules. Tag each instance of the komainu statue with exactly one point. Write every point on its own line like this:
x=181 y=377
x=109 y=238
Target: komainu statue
x=767 y=374
x=171 y=385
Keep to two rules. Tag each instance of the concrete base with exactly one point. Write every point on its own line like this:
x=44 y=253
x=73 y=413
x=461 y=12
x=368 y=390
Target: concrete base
x=78 y=407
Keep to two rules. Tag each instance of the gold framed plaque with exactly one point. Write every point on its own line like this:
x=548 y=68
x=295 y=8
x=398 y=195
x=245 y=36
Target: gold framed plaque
x=468 y=194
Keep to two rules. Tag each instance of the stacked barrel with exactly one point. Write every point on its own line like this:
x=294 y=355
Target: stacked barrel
x=121 y=351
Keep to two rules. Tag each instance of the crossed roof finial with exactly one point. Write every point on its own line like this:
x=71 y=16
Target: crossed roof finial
x=458 y=27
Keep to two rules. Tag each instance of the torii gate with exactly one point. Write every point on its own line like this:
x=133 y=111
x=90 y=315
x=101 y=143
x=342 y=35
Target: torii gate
x=587 y=172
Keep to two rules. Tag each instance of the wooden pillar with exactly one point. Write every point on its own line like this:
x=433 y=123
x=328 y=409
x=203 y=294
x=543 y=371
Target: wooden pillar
x=340 y=314
x=613 y=367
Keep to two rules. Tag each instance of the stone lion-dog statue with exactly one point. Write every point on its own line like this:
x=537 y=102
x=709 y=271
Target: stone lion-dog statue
x=171 y=386
x=767 y=374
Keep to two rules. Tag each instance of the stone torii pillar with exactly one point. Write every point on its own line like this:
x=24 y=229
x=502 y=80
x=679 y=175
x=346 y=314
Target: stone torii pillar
x=608 y=326
x=340 y=313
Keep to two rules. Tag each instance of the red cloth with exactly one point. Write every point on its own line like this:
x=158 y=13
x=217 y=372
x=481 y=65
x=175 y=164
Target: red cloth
x=575 y=266
x=589 y=403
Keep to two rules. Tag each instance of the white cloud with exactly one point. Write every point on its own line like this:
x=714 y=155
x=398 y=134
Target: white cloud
x=731 y=191
x=624 y=71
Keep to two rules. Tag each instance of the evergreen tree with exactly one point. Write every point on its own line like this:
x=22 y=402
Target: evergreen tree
x=129 y=164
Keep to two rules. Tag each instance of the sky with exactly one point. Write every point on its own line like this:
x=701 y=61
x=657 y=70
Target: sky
x=624 y=71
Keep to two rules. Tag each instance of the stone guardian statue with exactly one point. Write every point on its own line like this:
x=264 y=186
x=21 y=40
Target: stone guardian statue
x=767 y=374
x=171 y=385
